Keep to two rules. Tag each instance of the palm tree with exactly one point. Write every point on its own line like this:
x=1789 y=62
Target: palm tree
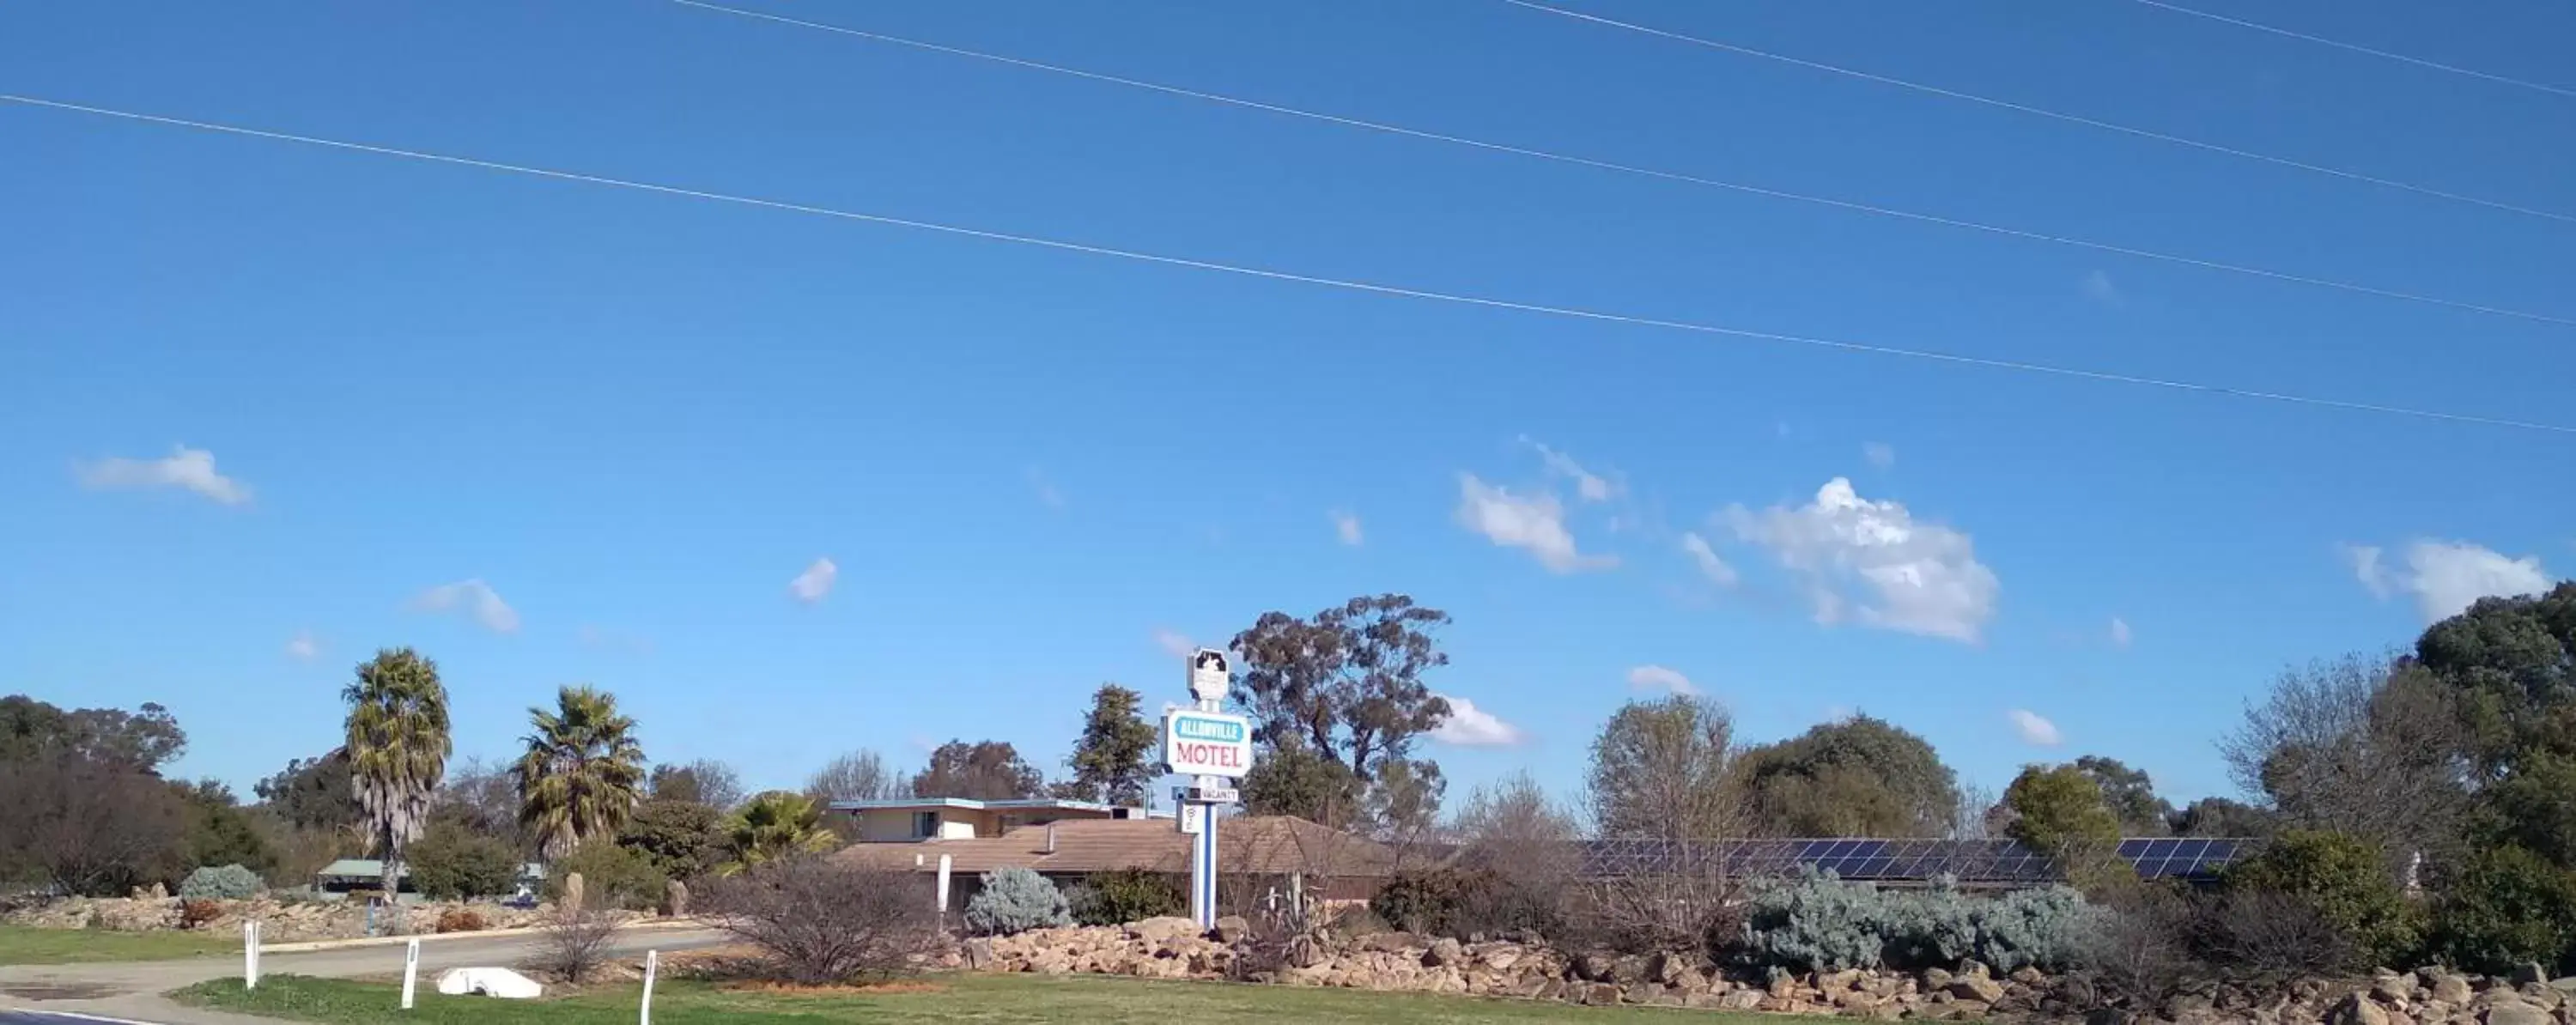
x=583 y=773
x=397 y=749
x=773 y=825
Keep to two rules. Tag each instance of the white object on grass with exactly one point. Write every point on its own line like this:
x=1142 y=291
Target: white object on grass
x=490 y=982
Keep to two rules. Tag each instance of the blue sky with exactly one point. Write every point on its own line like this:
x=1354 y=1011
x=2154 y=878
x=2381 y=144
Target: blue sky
x=267 y=407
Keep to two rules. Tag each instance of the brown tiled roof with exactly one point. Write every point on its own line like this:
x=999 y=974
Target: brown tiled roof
x=1261 y=845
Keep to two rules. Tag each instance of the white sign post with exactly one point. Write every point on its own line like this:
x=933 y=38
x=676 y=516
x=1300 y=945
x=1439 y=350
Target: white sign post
x=411 y=971
x=250 y=954
x=943 y=890
x=652 y=967
x=1212 y=748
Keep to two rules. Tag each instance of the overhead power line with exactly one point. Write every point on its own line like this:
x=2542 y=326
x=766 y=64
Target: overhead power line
x=2054 y=115
x=2358 y=48
x=1852 y=206
x=1344 y=284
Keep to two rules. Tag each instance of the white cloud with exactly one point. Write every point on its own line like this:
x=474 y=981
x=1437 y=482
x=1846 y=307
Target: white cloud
x=1470 y=726
x=2446 y=577
x=1879 y=454
x=1174 y=643
x=1669 y=681
x=476 y=599
x=1346 y=526
x=1534 y=522
x=1591 y=486
x=1873 y=561
x=192 y=469
x=2033 y=729
x=817 y=580
x=604 y=638
x=1710 y=566
x=302 y=647
x=2097 y=286
x=2120 y=635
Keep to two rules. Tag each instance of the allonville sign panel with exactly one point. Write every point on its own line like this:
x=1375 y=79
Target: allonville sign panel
x=1207 y=743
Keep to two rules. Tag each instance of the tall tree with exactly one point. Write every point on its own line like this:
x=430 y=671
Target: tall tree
x=2130 y=794
x=139 y=741
x=1857 y=777
x=774 y=825
x=314 y=794
x=860 y=775
x=583 y=771
x=2509 y=665
x=1403 y=806
x=2218 y=816
x=2059 y=812
x=89 y=827
x=705 y=781
x=1513 y=812
x=482 y=798
x=2369 y=746
x=989 y=770
x=1661 y=770
x=221 y=831
x=1111 y=759
x=397 y=748
x=1337 y=697
x=1292 y=779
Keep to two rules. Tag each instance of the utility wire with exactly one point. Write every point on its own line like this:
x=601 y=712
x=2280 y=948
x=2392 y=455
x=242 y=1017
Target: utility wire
x=1574 y=313
x=1853 y=206
x=2054 y=115
x=2358 y=48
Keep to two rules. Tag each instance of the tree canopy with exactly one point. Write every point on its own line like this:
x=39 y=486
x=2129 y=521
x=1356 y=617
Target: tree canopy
x=1857 y=777
x=583 y=772
x=1112 y=759
x=140 y=741
x=397 y=745
x=1335 y=699
x=1663 y=769
x=987 y=770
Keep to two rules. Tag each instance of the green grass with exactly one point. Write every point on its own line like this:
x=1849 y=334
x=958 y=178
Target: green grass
x=27 y=945
x=976 y=999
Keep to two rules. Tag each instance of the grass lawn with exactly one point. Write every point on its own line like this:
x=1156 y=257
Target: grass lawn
x=977 y=999
x=27 y=945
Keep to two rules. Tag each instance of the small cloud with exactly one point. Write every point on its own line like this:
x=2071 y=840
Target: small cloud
x=1047 y=494
x=2097 y=286
x=2120 y=635
x=2033 y=729
x=1347 y=527
x=1532 y=522
x=302 y=647
x=1710 y=566
x=1470 y=726
x=190 y=469
x=1592 y=487
x=817 y=580
x=1174 y=643
x=1659 y=678
x=1873 y=559
x=2446 y=577
x=1879 y=454
x=474 y=598
x=612 y=640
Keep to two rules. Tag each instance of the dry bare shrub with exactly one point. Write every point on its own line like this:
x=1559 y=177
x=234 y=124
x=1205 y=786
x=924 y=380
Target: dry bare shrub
x=817 y=922
x=2269 y=939
x=572 y=943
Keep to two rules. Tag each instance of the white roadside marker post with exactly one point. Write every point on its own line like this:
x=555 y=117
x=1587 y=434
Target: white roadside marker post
x=411 y=971
x=652 y=967
x=250 y=954
x=944 y=864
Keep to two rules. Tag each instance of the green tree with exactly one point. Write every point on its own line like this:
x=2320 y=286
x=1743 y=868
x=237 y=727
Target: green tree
x=397 y=747
x=2370 y=746
x=1661 y=771
x=774 y=825
x=2346 y=879
x=2506 y=907
x=1404 y=805
x=1344 y=685
x=1857 y=777
x=1112 y=758
x=2130 y=794
x=705 y=781
x=221 y=831
x=2059 y=812
x=1291 y=779
x=139 y=741
x=989 y=770
x=2511 y=665
x=2218 y=816
x=450 y=862
x=583 y=771
x=684 y=839
x=314 y=794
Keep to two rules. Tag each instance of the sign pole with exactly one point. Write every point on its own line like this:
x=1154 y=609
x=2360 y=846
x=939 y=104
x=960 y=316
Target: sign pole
x=250 y=954
x=652 y=967
x=411 y=971
x=1213 y=749
x=944 y=863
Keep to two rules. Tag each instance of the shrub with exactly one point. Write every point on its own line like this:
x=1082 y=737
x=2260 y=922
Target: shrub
x=1015 y=900
x=2271 y=938
x=194 y=914
x=1814 y=921
x=573 y=943
x=1126 y=895
x=611 y=877
x=2347 y=880
x=462 y=920
x=450 y=863
x=817 y=923
x=220 y=882
x=2507 y=907
x=683 y=839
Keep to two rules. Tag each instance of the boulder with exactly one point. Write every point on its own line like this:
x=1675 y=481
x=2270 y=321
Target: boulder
x=978 y=954
x=1231 y=929
x=2356 y=1009
x=490 y=982
x=1977 y=988
x=1156 y=930
x=675 y=899
x=2393 y=990
x=573 y=891
x=2515 y=1012
x=2526 y=974
x=1444 y=952
x=2450 y=989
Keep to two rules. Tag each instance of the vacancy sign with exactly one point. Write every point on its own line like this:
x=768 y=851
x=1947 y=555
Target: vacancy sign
x=1207 y=743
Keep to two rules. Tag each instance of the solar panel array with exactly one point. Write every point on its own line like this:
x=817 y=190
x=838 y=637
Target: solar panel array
x=1994 y=862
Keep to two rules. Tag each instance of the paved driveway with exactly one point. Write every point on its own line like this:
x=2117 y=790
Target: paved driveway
x=131 y=990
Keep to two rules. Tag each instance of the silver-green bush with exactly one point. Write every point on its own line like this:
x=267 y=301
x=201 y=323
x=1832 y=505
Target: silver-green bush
x=220 y=882
x=1015 y=900
x=1815 y=921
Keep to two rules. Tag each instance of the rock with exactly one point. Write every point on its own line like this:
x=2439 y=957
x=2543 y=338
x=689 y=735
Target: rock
x=675 y=899
x=573 y=892
x=1156 y=930
x=1231 y=929
x=1668 y=969
x=2566 y=985
x=1740 y=999
x=2526 y=974
x=1978 y=988
x=1640 y=992
x=490 y=982
x=1444 y=952
x=2393 y=990
x=978 y=953
x=1599 y=994
x=2451 y=989
x=2515 y=1012
x=2538 y=994
x=1957 y=1010
x=2355 y=1009
x=1935 y=979
x=2029 y=976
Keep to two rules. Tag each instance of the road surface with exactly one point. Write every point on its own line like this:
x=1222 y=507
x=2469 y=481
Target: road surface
x=131 y=991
